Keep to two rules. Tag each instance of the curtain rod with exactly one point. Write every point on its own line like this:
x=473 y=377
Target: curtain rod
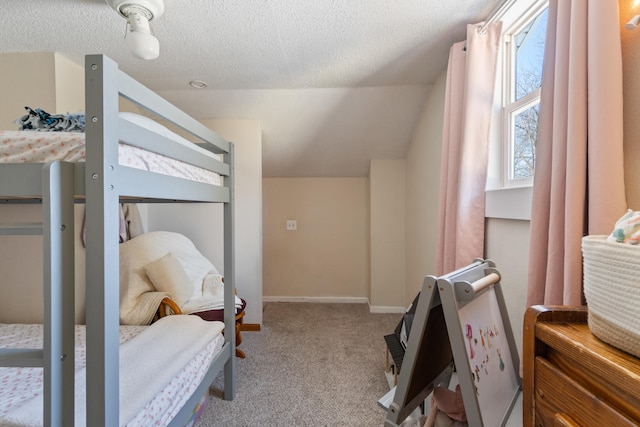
x=497 y=13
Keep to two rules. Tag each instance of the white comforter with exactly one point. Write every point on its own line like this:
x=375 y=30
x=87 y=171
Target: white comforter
x=150 y=359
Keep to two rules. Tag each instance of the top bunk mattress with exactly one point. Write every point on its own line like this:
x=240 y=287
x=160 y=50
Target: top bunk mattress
x=42 y=147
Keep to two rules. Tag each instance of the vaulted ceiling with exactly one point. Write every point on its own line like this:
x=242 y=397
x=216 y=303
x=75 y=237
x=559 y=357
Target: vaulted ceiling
x=334 y=83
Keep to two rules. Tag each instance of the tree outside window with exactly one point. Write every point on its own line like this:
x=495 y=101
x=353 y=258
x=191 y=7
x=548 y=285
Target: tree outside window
x=522 y=106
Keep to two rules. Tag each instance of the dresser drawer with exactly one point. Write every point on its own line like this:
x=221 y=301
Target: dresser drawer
x=570 y=377
x=559 y=400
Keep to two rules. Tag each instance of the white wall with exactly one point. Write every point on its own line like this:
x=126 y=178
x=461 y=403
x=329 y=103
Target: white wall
x=387 y=235
x=327 y=257
x=26 y=79
x=21 y=268
x=202 y=223
x=39 y=80
x=507 y=243
x=69 y=81
x=422 y=187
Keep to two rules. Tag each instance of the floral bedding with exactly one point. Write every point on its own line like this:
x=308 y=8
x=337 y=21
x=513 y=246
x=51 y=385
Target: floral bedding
x=19 y=386
x=41 y=147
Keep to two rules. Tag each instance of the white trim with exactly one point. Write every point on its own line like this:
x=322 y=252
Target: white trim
x=509 y=203
x=499 y=12
x=386 y=309
x=338 y=300
x=346 y=300
x=530 y=100
x=521 y=12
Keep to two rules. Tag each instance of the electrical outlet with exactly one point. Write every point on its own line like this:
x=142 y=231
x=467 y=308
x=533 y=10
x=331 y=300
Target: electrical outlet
x=292 y=225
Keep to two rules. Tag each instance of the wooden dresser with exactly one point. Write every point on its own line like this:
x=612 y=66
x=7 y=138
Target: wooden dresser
x=571 y=378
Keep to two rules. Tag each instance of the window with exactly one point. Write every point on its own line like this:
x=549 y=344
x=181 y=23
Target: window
x=523 y=56
x=512 y=154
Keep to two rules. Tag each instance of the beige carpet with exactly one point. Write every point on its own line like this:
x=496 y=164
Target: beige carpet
x=310 y=365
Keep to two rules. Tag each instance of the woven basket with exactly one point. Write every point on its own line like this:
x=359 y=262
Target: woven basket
x=612 y=290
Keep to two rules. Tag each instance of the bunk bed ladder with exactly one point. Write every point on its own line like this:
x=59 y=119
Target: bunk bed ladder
x=57 y=355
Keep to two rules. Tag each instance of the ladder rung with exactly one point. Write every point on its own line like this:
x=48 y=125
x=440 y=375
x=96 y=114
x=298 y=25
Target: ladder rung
x=22 y=357
x=21 y=229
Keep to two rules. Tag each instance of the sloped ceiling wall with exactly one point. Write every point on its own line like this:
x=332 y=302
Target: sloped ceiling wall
x=334 y=83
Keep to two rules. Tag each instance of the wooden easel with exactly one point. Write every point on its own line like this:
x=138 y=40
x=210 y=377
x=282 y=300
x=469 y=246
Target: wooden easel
x=461 y=323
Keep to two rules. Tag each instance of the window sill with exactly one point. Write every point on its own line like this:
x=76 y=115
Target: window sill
x=509 y=203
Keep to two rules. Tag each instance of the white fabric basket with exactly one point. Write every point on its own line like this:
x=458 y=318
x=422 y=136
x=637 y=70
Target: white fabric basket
x=612 y=290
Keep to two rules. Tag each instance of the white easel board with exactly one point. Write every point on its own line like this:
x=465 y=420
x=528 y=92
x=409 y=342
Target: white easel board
x=469 y=305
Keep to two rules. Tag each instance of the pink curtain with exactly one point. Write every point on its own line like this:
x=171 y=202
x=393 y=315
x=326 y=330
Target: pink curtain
x=468 y=103
x=579 y=181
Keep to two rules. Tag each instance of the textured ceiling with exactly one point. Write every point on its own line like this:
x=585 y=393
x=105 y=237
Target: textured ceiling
x=334 y=83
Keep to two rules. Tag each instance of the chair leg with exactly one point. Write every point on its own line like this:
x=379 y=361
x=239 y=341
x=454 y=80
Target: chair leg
x=239 y=353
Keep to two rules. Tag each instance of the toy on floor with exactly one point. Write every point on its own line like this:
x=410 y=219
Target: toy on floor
x=449 y=403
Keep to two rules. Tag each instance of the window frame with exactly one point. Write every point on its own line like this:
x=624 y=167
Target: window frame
x=510 y=106
x=500 y=191
x=510 y=112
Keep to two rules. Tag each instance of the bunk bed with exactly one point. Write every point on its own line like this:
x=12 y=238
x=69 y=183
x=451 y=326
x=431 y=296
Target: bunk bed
x=102 y=183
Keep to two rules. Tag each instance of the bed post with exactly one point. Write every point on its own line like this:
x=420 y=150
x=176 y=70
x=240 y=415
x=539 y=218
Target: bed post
x=59 y=293
x=229 y=280
x=101 y=222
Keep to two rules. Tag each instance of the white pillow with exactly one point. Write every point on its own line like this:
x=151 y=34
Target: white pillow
x=167 y=275
x=140 y=251
x=146 y=123
x=156 y=127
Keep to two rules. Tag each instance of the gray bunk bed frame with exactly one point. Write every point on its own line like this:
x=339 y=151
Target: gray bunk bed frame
x=104 y=184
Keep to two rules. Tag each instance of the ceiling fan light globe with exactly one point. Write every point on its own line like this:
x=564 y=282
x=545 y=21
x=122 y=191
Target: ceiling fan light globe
x=143 y=45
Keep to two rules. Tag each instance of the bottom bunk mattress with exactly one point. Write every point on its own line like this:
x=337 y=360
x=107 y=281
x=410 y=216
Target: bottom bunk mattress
x=160 y=367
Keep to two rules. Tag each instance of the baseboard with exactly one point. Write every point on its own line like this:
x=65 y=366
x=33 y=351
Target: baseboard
x=386 y=309
x=347 y=300
x=340 y=300
x=250 y=327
